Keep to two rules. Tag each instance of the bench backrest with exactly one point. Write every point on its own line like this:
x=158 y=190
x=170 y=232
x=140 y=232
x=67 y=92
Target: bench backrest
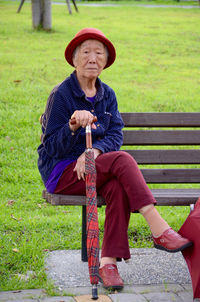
x=180 y=132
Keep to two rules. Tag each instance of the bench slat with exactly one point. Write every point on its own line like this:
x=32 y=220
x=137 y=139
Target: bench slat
x=158 y=119
x=166 y=156
x=58 y=199
x=156 y=176
x=178 y=197
x=169 y=137
x=165 y=197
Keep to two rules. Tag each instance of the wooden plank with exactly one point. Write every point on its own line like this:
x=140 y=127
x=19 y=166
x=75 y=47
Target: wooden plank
x=168 y=137
x=179 y=197
x=163 y=197
x=166 y=156
x=171 y=175
x=58 y=199
x=161 y=119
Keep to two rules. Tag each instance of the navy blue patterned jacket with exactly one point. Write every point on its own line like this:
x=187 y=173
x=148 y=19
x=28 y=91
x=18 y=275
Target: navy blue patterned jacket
x=58 y=142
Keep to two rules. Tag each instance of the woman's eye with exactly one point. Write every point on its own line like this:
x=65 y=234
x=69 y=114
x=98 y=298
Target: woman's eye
x=85 y=52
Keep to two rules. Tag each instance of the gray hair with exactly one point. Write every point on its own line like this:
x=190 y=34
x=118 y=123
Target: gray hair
x=75 y=52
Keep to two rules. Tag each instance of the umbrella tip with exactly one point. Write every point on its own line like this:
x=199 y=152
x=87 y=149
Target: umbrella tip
x=94 y=292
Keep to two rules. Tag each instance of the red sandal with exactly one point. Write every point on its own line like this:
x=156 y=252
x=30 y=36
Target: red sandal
x=171 y=242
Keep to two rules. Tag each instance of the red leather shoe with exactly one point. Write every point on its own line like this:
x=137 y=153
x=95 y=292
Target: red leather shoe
x=171 y=242
x=110 y=277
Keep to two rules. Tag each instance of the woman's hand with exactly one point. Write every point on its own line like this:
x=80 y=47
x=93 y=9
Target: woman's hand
x=80 y=167
x=80 y=164
x=83 y=118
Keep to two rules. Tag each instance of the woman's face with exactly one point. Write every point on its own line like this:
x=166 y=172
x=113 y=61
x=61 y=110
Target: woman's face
x=90 y=59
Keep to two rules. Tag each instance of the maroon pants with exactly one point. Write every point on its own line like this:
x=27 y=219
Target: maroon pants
x=121 y=184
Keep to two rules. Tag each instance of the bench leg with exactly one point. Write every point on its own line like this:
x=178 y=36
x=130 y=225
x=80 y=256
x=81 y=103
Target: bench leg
x=192 y=207
x=84 y=257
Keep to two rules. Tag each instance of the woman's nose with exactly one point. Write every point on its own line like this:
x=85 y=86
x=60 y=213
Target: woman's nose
x=92 y=57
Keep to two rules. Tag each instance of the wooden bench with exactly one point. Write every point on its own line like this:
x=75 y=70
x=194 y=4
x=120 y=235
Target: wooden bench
x=179 y=148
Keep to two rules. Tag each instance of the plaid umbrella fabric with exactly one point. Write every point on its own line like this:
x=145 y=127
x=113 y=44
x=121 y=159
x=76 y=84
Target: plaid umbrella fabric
x=92 y=215
x=191 y=230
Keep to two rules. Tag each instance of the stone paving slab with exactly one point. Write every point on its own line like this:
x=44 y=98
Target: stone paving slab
x=58 y=299
x=163 y=297
x=88 y=298
x=186 y=295
x=161 y=288
x=21 y=300
x=128 y=298
x=18 y=295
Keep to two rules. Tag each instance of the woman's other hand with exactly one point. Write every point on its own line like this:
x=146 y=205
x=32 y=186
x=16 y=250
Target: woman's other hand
x=80 y=164
x=80 y=167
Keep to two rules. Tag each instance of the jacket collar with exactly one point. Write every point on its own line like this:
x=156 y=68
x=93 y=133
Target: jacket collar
x=78 y=92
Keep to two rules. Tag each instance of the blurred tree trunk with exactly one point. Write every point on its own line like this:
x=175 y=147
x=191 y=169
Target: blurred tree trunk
x=41 y=14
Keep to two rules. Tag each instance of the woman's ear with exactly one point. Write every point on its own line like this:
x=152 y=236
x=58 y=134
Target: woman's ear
x=74 y=57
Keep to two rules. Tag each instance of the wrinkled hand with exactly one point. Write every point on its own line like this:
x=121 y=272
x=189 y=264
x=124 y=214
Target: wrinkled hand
x=83 y=118
x=80 y=167
x=80 y=164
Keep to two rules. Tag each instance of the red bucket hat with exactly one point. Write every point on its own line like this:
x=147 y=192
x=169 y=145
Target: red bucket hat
x=90 y=33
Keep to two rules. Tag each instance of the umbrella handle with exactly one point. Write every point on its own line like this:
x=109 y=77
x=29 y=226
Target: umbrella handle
x=88 y=137
x=87 y=130
x=94 y=292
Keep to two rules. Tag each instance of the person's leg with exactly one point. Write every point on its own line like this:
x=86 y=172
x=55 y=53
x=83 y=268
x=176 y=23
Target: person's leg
x=156 y=223
x=164 y=237
x=115 y=242
x=116 y=222
x=117 y=210
x=125 y=175
x=69 y=184
x=122 y=166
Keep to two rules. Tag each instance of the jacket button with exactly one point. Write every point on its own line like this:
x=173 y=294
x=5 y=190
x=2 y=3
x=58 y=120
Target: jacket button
x=92 y=110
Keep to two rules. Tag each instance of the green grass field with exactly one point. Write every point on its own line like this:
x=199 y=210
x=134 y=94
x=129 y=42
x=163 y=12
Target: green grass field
x=157 y=69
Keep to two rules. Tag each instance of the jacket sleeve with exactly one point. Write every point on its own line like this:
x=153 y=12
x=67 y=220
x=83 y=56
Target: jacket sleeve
x=57 y=137
x=113 y=137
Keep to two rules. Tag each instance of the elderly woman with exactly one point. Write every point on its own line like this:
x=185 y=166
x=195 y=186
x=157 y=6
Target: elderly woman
x=62 y=159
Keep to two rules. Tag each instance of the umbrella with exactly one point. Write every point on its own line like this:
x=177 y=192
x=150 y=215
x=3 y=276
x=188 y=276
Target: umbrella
x=91 y=211
x=191 y=230
x=92 y=215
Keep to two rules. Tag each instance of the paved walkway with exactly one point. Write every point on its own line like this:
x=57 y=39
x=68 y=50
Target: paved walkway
x=151 y=275
x=134 y=293
x=99 y=4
